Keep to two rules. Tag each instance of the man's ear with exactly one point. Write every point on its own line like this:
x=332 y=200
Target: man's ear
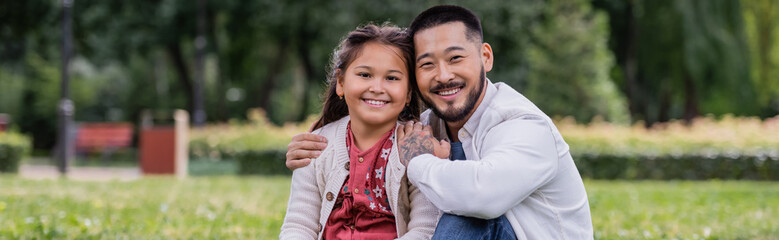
x=339 y=83
x=486 y=56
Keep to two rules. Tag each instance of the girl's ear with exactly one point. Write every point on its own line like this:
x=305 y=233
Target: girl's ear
x=339 y=83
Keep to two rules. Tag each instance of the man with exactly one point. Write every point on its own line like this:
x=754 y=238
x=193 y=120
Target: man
x=518 y=179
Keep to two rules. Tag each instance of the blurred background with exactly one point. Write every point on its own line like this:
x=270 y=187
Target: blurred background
x=641 y=89
x=627 y=61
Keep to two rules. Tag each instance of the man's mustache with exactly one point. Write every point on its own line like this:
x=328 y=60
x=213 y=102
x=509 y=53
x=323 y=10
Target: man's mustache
x=447 y=85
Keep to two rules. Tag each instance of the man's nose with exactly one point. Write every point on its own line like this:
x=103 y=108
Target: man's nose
x=444 y=73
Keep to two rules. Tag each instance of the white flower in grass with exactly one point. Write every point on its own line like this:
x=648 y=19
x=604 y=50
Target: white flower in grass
x=164 y=207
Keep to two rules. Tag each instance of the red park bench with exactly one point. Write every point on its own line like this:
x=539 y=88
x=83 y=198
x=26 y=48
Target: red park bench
x=103 y=137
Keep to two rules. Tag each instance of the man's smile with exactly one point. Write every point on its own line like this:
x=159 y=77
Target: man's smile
x=449 y=90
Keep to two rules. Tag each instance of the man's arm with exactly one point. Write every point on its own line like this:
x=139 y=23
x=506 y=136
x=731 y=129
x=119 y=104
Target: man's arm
x=304 y=148
x=520 y=157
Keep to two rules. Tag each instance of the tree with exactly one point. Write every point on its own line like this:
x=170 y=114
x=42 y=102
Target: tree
x=762 y=21
x=680 y=59
x=570 y=62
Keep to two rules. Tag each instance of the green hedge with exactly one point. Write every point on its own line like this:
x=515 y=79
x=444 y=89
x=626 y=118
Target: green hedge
x=249 y=162
x=727 y=148
x=13 y=147
x=263 y=162
x=700 y=166
x=689 y=166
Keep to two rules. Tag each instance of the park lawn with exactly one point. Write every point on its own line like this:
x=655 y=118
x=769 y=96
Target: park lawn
x=684 y=209
x=253 y=207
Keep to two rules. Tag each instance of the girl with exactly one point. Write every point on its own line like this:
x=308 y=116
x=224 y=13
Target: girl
x=357 y=188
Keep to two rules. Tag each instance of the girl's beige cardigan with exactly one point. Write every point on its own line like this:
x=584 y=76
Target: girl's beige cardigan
x=315 y=188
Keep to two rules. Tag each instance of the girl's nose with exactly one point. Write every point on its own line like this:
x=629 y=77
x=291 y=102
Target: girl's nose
x=377 y=86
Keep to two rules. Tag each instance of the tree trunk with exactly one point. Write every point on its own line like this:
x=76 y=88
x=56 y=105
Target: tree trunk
x=174 y=50
x=274 y=71
x=636 y=101
x=198 y=103
x=665 y=106
x=310 y=76
x=690 y=99
x=221 y=79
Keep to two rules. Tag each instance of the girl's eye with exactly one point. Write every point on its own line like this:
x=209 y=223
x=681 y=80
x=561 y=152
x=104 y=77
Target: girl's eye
x=393 y=78
x=364 y=75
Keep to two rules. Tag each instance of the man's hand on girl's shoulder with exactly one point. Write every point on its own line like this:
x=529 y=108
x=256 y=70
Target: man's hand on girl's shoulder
x=304 y=148
x=415 y=139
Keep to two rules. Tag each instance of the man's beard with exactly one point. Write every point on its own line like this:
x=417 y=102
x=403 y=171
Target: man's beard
x=453 y=114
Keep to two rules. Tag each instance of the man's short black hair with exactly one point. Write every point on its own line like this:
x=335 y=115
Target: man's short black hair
x=443 y=14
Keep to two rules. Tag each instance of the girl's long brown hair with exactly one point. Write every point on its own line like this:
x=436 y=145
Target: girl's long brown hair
x=335 y=108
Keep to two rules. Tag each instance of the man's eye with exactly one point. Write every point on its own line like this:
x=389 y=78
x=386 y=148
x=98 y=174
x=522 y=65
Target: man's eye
x=456 y=58
x=427 y=64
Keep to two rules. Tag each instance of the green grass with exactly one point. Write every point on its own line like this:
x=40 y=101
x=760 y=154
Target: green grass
x=152 y=208
x=684 y=210
x=253 y=207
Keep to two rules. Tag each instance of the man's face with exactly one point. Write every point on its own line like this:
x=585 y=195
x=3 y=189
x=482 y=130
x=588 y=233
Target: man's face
x=450 y=70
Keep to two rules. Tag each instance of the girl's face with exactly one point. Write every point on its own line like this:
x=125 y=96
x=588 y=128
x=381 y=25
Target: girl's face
x=375 y=85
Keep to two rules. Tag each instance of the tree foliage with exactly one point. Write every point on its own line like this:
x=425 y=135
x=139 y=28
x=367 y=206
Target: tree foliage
x=681 y=59
x=570 y=62
x=622 y=60
x=762 y=26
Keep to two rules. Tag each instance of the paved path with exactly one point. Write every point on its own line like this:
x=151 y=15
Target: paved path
x=81 y=173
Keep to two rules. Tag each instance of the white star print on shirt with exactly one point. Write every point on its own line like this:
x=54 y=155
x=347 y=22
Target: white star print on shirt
x=379 y=172
x=373 y=205
x=385 y=153
x=377 y=191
